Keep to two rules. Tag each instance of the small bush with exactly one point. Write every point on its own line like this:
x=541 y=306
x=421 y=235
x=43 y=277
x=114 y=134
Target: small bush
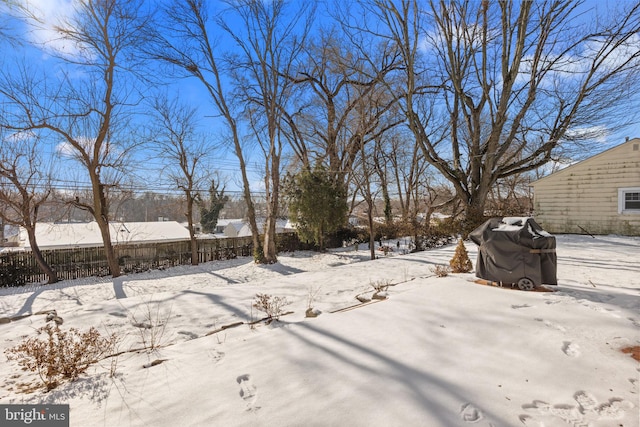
x=12 y=273
x=61 y=355
x=460 y=263
x=258 y=255
x=272 y=306
x=441 y=270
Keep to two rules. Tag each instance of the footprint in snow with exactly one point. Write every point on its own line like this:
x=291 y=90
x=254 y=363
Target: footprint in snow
x=551 y=324
x=635 y=322
x=571 y=349
x=216 y=355
x=248 y=392
x=586 y=401
x=587 y=411
x=470 y=414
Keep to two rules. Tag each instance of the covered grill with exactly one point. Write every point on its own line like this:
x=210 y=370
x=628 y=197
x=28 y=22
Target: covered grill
x=515 y=251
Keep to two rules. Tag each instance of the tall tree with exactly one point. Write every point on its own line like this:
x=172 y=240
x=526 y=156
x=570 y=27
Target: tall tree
x=339 y=72
x=85 y=103
x=185 y=151
x=516 y=82
x=184 y=40
x=25 y=185
x=270 y=38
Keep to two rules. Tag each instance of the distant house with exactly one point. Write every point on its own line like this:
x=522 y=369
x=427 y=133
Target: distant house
x=234 y=228
x=222 y=224
x=600 y=195
x=75 y=235
x=241 y=228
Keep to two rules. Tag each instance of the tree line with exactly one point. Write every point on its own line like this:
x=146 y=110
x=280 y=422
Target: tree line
x=416 y=99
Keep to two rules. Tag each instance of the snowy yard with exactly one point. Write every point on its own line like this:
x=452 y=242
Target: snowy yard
x=436 y=352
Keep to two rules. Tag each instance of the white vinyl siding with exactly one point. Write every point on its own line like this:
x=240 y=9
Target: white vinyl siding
x=596 y=195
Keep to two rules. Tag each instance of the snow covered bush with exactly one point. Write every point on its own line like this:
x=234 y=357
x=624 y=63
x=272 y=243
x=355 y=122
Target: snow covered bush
x=460 y=263
x=61 y=354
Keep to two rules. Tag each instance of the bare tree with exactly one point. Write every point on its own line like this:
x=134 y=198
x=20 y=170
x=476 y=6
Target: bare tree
x=269 y=40
x=86 y=105
x=364 y=177
x=518 y=83
x=185 y=151
x=339 y=72
x=25 y=186
x=408 y=170
x=184 y=41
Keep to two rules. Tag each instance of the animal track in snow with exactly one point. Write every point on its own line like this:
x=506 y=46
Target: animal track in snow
x=248 y=392
x=587 y=411
x=571 y=349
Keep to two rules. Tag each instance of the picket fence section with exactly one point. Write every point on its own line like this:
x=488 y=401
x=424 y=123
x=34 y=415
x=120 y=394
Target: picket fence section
x=19 y=267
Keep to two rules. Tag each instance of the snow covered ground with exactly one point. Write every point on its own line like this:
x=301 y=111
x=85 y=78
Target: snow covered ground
x=436 y=352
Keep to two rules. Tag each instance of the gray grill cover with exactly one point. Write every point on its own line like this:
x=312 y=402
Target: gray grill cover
x=515 y=248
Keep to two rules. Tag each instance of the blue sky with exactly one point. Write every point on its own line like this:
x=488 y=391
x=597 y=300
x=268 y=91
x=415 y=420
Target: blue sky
x=189 y=90
x=38 y=49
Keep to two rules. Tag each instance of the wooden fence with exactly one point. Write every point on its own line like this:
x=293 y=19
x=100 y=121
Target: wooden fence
x=19 y=268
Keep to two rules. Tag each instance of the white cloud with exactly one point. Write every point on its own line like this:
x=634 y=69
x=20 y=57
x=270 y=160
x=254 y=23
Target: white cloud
x=65 y=149
x=50 y=16
x=595 y=133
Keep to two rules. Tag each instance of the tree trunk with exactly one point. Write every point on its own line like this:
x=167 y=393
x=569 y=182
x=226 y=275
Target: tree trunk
x=109 y=251
x=372 y=237
x=270 y=250
x=194 y=247
x=258 y=254
x=101 y=215
x=37 y=254
x=192 y=232
x=473 y=215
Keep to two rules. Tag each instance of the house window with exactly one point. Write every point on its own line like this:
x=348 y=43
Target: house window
x=629 y=200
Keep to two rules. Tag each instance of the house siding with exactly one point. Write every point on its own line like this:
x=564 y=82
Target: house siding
x=585 y=195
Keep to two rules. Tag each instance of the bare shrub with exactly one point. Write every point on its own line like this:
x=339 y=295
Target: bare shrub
x=441 y=270
x=311 y=296
x=270 y=305
x=61 y=354
x=152 y=324
x=381 y=285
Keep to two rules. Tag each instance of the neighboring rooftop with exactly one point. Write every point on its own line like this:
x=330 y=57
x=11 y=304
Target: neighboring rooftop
x=71 y=235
